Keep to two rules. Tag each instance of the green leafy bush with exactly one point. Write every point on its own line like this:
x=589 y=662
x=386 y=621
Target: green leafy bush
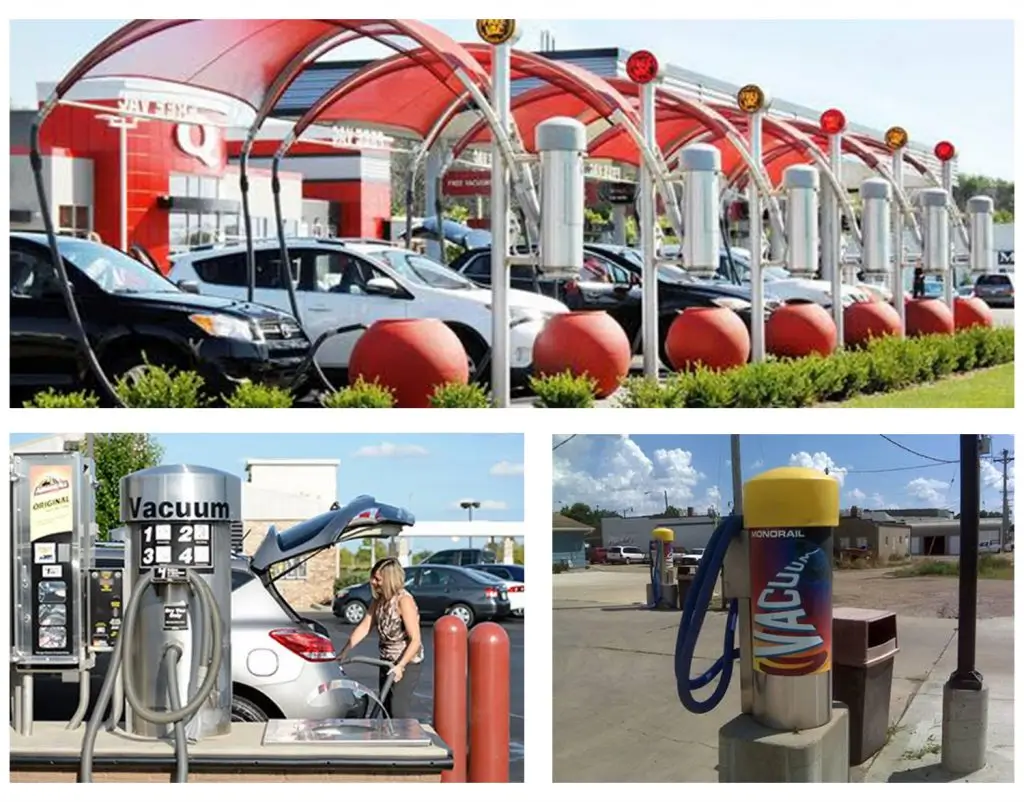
x=159 y=388
x=362 y=394
x=259 y=396
x=50 y=399
x=458 y=395
x=645 y=393
x=563 y=391
x=707 y=388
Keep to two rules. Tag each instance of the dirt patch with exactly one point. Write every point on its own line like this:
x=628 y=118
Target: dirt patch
x=922 y=596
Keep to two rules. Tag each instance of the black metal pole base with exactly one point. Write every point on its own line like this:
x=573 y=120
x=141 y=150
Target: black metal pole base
x=966 y=680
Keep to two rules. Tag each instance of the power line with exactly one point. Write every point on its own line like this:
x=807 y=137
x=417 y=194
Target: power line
x=566 y=440
x=918 y=453
x=890 y=470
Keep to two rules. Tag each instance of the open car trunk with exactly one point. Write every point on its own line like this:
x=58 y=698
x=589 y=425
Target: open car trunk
x=362 y=517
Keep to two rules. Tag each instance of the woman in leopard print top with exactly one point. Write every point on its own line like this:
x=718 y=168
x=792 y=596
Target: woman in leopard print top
x=396 y=618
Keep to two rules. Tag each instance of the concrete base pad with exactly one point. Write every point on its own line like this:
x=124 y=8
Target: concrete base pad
x=964 y=729
x=669 y=596
x=751 y=753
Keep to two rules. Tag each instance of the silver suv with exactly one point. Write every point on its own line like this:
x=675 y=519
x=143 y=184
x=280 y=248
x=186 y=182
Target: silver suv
x=293 y=657
x=626 y=555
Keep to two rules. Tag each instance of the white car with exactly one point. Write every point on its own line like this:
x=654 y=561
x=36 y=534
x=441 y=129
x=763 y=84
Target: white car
x=512 y=578
x=340 y=283
x=626 y=555
x=782 y=284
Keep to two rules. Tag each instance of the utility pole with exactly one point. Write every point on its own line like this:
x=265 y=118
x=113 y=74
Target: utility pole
x=737 y=509
x=1004 y=532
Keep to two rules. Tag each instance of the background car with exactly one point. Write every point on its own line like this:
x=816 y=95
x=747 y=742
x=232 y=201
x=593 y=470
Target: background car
x=514 y=577
x=597 y=555
x=995 y=289
x=133 y=315
x=690 y=561
x=439 y=590
x=344 y=283
x=461 y=557
x=785 y=286
x=626 y=555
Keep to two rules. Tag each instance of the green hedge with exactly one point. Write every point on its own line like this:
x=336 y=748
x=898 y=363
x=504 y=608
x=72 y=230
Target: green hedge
x=883 y=366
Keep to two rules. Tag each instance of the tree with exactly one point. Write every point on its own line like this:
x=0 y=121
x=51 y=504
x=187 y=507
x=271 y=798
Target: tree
x=673 y=512
x=999 y=190
x=585 y=514
x=118 y=455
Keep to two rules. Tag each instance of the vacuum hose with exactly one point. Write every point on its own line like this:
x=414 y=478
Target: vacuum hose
x=211 y=657
x=694 y=610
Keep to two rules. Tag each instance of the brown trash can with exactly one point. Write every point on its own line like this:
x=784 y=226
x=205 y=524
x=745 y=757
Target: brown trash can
x=864 y=647
x=684 y=582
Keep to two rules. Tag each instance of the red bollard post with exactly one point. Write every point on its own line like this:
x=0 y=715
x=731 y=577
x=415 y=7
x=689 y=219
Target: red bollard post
x=450 y=649
x=489 y=703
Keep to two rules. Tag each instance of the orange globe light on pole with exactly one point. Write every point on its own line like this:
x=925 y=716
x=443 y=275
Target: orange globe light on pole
x=833 y=122
x=896 y=138
x=944 y=151
x=642 y=67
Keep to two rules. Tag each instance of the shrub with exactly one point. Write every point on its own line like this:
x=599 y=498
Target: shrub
x=645 y=393
x=259 y=396
x=706 y=388
x=564 y=391
x=362 y=394
x=350 y=576
x=160 y=388
x=50 y=399
x=456 y=394
x=560 y=567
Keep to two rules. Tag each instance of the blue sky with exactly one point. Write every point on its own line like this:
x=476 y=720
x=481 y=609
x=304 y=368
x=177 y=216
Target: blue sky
x=428 y=474
x=632 y=473
x=938 y=79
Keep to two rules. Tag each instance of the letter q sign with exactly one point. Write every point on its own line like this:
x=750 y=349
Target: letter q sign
x=198 y=141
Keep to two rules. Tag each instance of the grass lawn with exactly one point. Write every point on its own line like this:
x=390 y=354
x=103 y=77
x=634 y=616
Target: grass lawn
x=992 y=387
x=990 y=566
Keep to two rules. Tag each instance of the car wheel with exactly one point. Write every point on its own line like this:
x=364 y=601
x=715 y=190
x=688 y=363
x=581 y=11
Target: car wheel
x=244 y=710
x=132 y=365
x=476 y=351
x=463 y=612
x=353 y=612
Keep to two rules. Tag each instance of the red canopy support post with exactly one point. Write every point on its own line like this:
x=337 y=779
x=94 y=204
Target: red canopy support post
x=489 y=703
x=451 y=647
x=833 y=123
x=753 y=101
x=896 y=139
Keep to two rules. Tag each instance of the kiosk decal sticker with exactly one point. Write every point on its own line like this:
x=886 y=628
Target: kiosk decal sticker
x=51 y=511
x=791 y=600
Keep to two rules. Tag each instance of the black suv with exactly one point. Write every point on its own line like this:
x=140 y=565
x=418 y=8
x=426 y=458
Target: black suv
x=129 y=310
x=615 y=289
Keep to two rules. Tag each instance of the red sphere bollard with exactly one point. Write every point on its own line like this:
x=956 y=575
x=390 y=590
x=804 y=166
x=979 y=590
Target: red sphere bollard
x=412 y=357
x=590 y=343
x=713 y=337
x=489 y=704
x=866 y=321
x=971 y=312
x=800 y=329
x=928 y=316
x=451 y=646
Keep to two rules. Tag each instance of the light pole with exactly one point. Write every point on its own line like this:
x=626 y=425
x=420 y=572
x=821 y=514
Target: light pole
x=469 y=506
x=123 y=125
x=652 y=492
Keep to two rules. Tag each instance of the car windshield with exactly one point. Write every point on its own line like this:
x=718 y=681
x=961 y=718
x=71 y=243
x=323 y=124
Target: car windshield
x=113 y=271
x=423 y=271
x=995 y=279
x=673 y=273
x=485 y=578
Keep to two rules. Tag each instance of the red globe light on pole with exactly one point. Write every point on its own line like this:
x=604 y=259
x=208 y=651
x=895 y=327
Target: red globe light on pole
x=833 y=122
x=945 y=151
x=642 y=67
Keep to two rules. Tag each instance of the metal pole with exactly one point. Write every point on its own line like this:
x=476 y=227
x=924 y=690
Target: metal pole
x=966 y=677
x=746 y=663
x=1005 y=531
x=501 y=89
x=648 y=223
x=756 y=282
x=897 y=241
x=123 y=166
x=947 y=184
x=834 y=234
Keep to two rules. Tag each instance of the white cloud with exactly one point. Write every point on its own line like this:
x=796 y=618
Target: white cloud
x=857 y=495
x=506 y=468
x=391 y=450
x=758 y=463
x=992 y=476
x=484 y=505
x=878 y=502
x=929 y=491
x=613 y=473
x=820 y=461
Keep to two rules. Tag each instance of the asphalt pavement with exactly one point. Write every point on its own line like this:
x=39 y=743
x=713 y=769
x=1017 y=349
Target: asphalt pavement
x=425 y=691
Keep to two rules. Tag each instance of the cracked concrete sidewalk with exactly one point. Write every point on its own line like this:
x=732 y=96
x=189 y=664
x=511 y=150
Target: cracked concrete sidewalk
x=617 y=717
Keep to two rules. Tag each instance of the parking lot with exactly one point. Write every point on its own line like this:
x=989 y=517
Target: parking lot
x=425 y=692
x=606 y=643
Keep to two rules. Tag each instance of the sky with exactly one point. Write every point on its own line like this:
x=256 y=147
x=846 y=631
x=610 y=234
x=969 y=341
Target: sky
x=938 y=79
x=631 y=474
x=427 y=474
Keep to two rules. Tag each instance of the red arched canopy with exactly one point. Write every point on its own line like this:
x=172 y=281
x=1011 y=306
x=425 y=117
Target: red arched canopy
x=253 y=61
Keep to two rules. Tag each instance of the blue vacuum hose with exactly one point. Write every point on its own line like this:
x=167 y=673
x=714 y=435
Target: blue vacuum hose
x=694 y=610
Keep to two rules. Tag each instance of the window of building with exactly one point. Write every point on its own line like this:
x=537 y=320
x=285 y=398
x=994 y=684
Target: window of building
x=289 y=573
x=862 y=543
x=844 y=542
x=74 y=220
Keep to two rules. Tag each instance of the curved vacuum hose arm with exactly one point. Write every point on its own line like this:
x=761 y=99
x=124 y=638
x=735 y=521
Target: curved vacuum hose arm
x=105 y=385
x=388 y=683
x=690 y=624
x=84 y=691
x=250 y=253
x=172 y=654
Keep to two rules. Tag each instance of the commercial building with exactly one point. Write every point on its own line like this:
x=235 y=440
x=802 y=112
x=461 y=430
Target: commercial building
x=691 y=532
x=910 y=532
x=568 y=541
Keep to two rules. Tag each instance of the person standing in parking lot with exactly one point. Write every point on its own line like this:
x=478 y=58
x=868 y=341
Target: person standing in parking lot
x=397 y=619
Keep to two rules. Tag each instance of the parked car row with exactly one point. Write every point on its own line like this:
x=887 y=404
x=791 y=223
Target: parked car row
x=472 y=593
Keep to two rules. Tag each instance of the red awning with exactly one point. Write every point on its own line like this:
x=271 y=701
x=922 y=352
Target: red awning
x=253 y=61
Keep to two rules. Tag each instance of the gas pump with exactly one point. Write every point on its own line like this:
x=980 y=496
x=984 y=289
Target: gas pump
x=173 y=653
x=662 y=590
x=778 y=577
